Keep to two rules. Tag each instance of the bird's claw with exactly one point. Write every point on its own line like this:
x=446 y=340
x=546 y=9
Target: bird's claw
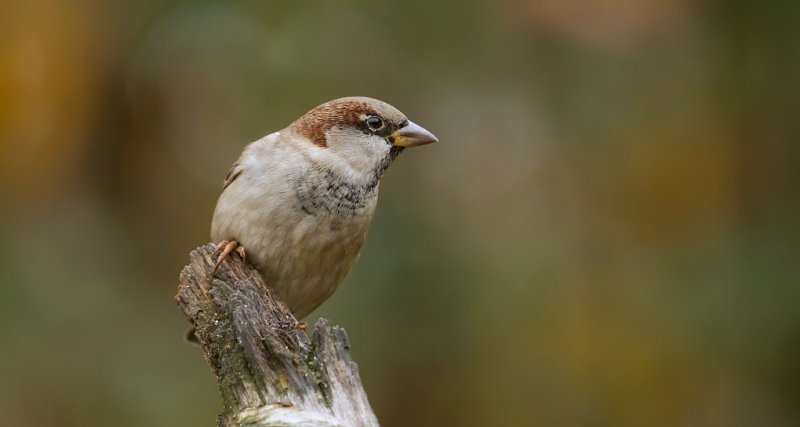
x=225 y=248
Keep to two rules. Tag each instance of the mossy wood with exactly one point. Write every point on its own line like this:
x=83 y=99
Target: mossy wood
x=268 y=371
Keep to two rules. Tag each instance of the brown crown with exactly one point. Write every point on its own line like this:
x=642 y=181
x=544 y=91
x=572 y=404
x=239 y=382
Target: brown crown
x=317 y=122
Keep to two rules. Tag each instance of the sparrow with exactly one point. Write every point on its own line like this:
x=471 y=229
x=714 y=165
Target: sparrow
x=298 y=203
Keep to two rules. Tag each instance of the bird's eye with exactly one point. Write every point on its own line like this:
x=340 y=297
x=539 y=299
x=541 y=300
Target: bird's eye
x=374 y=122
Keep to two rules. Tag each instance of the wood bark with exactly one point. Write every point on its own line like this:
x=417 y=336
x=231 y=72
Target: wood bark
x=268 y=371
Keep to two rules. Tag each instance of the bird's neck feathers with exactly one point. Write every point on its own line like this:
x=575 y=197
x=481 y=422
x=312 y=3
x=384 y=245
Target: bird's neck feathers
x=361 y=174
x=338 y=189
x=351 y=156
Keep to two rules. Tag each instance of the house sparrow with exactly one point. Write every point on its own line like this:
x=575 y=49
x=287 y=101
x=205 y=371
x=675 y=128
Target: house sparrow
x=300 y=200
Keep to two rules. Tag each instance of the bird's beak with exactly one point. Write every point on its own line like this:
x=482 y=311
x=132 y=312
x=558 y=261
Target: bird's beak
x=412 y=135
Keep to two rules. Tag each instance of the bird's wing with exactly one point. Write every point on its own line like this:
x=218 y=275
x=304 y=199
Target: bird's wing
x=247 y=160
x=233 y=173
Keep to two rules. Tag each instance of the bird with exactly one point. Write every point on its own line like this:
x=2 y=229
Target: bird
x=298 y=203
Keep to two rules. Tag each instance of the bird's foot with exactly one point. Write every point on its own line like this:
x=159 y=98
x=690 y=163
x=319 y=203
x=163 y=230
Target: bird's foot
x=225 y=248
x=302 y=326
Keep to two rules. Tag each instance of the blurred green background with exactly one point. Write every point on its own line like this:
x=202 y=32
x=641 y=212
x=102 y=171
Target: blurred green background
x=607 y=234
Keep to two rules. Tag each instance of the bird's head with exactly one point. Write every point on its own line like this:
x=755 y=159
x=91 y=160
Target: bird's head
x=364 y=134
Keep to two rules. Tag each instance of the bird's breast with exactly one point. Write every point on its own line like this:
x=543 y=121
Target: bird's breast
x=322 y=192
x=308 y=258
x=304 y=231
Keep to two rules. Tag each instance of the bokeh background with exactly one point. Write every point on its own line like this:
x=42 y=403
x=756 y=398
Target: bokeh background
x=607 y=234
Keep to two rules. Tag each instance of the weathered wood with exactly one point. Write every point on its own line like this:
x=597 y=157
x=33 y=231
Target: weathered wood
x=268 y=371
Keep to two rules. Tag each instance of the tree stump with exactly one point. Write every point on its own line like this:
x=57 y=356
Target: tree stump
x=268 y=371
